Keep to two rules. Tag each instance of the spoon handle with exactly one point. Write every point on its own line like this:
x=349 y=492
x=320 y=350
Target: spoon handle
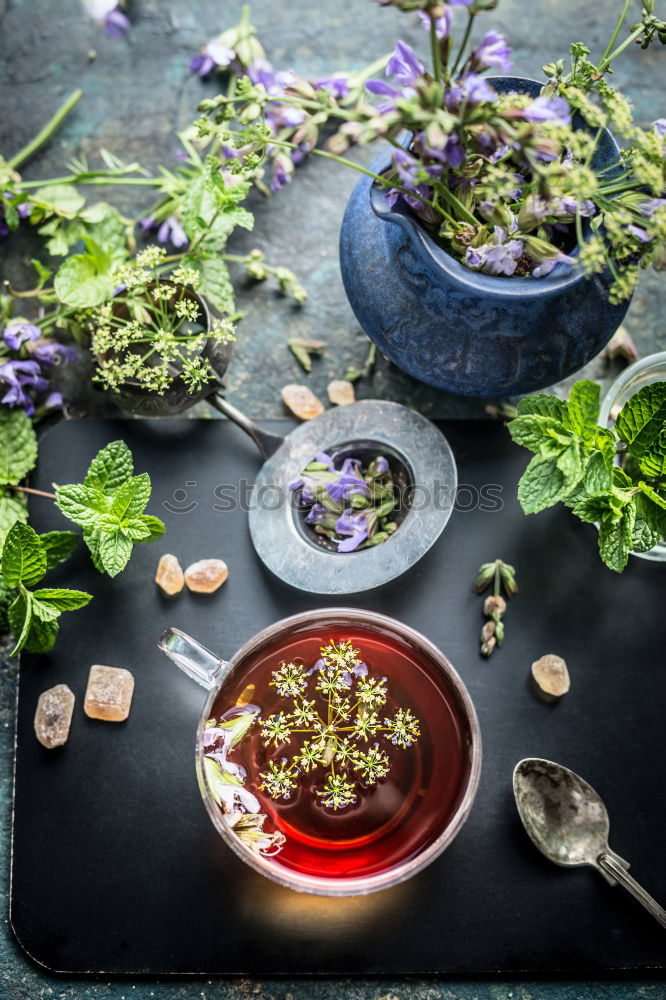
x=610 y=865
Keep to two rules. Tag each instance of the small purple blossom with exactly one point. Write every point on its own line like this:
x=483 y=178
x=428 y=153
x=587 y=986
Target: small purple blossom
x=660 y=127
x=495 y=258
x=639 y=232
x=17 y=332
x=213 y=55
x=348 y=483
x=273 y=81
x=353 y=525
x=492 y=51
x=172 y=231
x=50 y=352
x=442 y=24
x=21 y=378
x=471 y=88
x=546 y=266
x=652 y=205
x=548 y=109
x=106 y=12
x=338 y=86
x=410 y=170
x=404 y=66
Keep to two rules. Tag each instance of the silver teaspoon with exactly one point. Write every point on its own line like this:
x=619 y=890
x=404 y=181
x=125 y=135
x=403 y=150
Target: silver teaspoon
x=566 y=819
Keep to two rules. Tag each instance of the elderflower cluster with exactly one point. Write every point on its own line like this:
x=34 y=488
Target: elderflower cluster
x=332 y=730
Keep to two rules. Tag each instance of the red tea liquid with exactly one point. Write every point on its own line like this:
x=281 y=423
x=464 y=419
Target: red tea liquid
x=391 y=821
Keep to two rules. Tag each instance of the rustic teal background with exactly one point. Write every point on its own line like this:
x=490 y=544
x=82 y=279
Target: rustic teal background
x=136 y=93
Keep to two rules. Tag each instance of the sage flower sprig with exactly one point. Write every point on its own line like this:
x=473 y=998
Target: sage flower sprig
x=333 y=712
x=500 y=575
x=353 y=506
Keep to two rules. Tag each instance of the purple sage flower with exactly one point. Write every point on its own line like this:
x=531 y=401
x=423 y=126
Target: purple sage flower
x=214 y=54
x=273 y=81
x=546 y=266
x=404 y=66
x=495 y=258
x=548 y=109
x=408 y=169
x=171 y=230
x=50 y=352
x=660 y=126
x=106 y=12
x=641 y=234
x=471 y=88
x=492 y=51
x=20 y=377
x=442 y=24
x=18 y=332
x=353 y=525
x=338 y=86
x=652 y=205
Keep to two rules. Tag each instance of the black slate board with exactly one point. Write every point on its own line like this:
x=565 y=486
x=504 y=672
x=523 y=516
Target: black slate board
x=116 y=867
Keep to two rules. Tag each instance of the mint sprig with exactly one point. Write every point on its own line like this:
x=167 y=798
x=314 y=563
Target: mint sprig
x=33 y=614
x=616 y=479
x=110 y=506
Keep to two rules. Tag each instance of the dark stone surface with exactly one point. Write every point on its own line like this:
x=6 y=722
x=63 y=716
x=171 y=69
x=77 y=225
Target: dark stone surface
x=137 y=92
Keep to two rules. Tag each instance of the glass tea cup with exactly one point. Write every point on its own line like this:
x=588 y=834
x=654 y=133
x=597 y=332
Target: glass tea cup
x=387 y=747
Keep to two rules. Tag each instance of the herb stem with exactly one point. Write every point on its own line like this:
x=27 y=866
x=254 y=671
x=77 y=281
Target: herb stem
x=609 y=47
x=463 y=44
x=45 y=133
x=434 y=48
x=29 y=489
x=607 y=60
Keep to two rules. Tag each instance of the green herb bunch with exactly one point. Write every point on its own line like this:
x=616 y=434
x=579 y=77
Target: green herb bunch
x=614 y=478
x=154 y=328
x=338 y=722
x=109 y=505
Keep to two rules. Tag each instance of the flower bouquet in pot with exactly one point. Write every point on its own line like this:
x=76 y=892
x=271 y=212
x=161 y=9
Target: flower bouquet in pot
x=495 y=248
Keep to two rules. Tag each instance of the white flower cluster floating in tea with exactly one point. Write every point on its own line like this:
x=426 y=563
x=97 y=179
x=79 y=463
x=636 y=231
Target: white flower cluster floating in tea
x=337 y=732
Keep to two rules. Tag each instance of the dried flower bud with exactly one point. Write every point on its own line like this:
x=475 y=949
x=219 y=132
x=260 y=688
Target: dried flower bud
x=488 y=646
x=488 y=631
x=494 y=605
x=486 y=573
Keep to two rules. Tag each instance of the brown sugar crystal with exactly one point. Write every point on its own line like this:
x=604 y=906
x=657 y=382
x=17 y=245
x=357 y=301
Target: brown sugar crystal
x=169 y=576
x=206 y=576
x=109 y=693
x=301 y=401
x=54 y=716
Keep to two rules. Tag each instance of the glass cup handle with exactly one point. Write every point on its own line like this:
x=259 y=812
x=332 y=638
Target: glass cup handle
x=194 y=659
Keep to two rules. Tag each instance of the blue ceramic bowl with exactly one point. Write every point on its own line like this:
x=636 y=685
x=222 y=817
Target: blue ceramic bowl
x=456 y=329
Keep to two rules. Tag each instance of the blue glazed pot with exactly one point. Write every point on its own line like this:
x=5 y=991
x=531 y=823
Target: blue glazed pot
x=456 y=329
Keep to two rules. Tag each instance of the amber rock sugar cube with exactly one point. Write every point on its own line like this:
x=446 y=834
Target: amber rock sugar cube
x=205 y=576
x=54 y=716
x=109 y=693
x=169 y=576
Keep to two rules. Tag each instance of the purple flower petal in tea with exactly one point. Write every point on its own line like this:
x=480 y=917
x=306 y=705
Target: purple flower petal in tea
x=353 y=525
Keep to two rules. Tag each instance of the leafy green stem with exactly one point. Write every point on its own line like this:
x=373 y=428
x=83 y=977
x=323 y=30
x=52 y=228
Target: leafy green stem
x=45 y=133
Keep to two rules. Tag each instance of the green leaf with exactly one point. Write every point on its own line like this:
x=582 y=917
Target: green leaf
x=62 y=600
x=597 y=478
x=650 y=526
x=115 y=551
x=20 y=618
x=18 y=445
x=12 y=509
x=653 y=466
x=215 y=283
x=591 y=509
x=84 y=280
x=211 y=210
x=81 y=504
x=110 y=468
x=616 y=537
x=539 y=433
x=583 y=408
x=543 y=405
x=23 y=558
x=650 y=492
x=42 y=636
x=132 y=497
x=58 y=546
x=7 y=597
x=541 y=485
x=58 y=199
x=92 y=537
x=570 y=465
x=156 y=528
x=642 y=419
x=137 y=530
x=43 y=273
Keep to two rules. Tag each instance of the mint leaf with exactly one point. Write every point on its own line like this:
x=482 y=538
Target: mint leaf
x=58 y=546
x=41 y=636
x=541 y=485
x=12 y=509
x=616 y=537
x=650 y=492
x=7 y=597
x=81 y=504
x=539 y=433
x=543 y=405
x=155 y=527
x=653 y=466
x=642 y=419
x=137 y=530
x=18 y=445
x=591 y=509
x=570 y=465
x=597 y=479
x=132 y=497
x=650 y=527
x=62 y=600
x=20 y=618
x=583 y=408
x=110 y=468
x=115 y=551
x=92 y=537
x=84 y=280
x=23 y=558
x=58 y=199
